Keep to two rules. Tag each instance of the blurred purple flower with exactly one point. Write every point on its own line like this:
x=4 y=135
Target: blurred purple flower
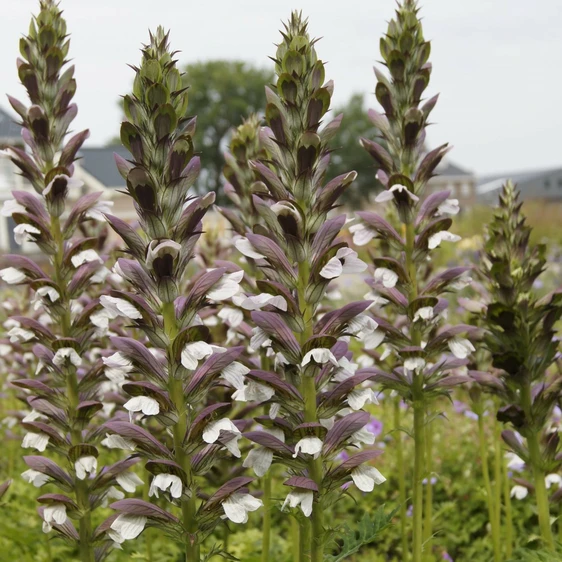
x=374 y=426
x=447 y=557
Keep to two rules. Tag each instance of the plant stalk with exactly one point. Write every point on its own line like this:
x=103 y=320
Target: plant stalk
x=189 y=506
x=266 y=532
x=508 y=514
x=401 y=480
x=428 y=521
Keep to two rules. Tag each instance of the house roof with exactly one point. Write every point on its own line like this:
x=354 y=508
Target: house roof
x=99 y=163
x=447 y=168
x=491 y=183
x=8 y=128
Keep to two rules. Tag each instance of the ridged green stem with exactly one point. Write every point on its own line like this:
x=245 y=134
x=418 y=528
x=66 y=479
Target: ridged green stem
x=189 y=506
x=266 y=531
x=508 y=513
x=400 y=468
x=428 y=521
x=498 y=461
x=488 y=486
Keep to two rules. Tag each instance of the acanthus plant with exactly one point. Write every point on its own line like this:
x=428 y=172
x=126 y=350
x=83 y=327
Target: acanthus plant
x=521 y=339
x=423 y=345
x=314 y=392
x=172 y=371
x=64 y=326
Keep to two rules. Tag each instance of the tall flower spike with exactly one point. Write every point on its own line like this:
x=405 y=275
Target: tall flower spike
x=66 y=390
x=186 y=436
x=404 y=170
x=296 y=249
x=521 y=340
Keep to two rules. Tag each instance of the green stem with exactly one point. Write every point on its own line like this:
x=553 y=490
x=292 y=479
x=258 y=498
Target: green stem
x=147 y=532
x=488 y=487
x=266 y=532
x=189 y=506
x=498 y=479
x=401 y=480
x=428 y=522
x=295 y=538
x=508 y=513
x=535 y=458
x=419 y=421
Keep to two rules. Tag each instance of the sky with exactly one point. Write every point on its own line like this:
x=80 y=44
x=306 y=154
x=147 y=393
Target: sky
x=497 y=64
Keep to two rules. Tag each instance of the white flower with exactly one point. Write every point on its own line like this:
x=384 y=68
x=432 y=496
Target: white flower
x=362 y=235
x=120 y=307
x=237 y=506
x=310 y=446
x=37 y=441
x=50 y=292
x=148 y=406
x=388 y=194
x=304 y=499
x=34 y=477
x=127 y=527
x=212 y=431
x=86 y=256
x=233 y=316
x=54 y=513
x=195 y=351
x=463 y=281
x=551 y=479
x=386 y=276
x=253 y=392
x=460 y=347
x=366 y=477
x=112 y=493
x=165 y=482
x=320 y=355
x=441 y=236
x=259 y=339
x=519 y=492
x=346 y=369
x=24 y=233
x=227 y=286
x=85 y=465
x=11 y=275
x=244 y=246
x=372 y=340
x=129 y=481
x=97 y=211
x=449 y=207
x=259 y=459
x=67 y=353
x=345 y=261
x=100 y=275
x=117 y=442
x=357 y=398
x=515 y=462
x=117 y=367
x=363 y=436
x=414 y=364
x=20 y=335
x=234 y=374
x=423 y=313
x=10 y=207
x=257 y=302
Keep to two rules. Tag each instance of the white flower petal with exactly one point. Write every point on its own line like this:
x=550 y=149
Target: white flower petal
x=237 y=506
x=309 y=445
x=366 y=477
x=148 y=406
x=129 y=481
x=259 y=459
x=129 y=526
x=460 y=347
x=386 y=276
x=11 y=275
x=244 y=246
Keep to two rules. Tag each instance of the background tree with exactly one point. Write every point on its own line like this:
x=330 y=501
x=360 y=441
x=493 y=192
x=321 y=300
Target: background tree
x=355 y=124
x=222 y=93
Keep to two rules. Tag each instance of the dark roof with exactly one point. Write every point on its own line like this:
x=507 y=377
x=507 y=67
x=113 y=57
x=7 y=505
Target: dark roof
x=99 y=162
x=8 y=129
x=519 y=177
x=449 y=169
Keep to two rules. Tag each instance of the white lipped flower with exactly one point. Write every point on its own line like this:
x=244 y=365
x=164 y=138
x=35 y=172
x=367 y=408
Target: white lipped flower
x=18 y=335
x=310 y=446
x=519 y=492
x=357 y=398
x=367 y=477
x=127 y=527
x=97 y=211
x=424 y=313
x=386 y=276
x=65 y=354
x=12 y=275
x=47 y=291
x=259 y=339
x=233 y=316
x=363 y=437
x=388 y=194
x=25 y=233
x=257 y=302
x=213 y=430
x=260 y=458
x=117 y=367
x=166 y=482
x=148 y=406
x=54 y=513
x=238 y=505
x=120 y=307
x=460 y=347
x=38 y=441
x=303 y=498
x=85 y=256
x=112 y=494
x=86 y=466
x=414 y=363
x=34 y=477
x=115 y=441
x=253 y=392
x=10 y=207
x=319 y=355
x=129 y=481
x=244 y=246
x=449 y=207
x=234 y=374
x=344 y=262
x=551 y=479
x=227 y=286
x=362 y=235
x=442 y=236
x=194 y=351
